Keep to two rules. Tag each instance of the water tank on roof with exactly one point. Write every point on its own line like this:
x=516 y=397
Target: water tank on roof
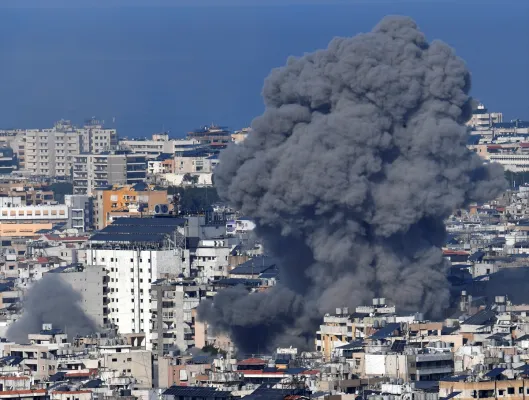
x=345 y=310
x=382 y=301
x=338 y=311
x=507 y=358
x=516 y=359
x=500 y=354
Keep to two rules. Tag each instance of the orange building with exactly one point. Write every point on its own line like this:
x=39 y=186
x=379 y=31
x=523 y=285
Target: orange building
x=126 y=201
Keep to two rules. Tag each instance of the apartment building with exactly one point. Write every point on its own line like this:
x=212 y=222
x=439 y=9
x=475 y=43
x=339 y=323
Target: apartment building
x=127 y=200
x=213 y=136
x=117 y=167
x=17 y=219
x=159 y=144
x=483 y=119
x=81 y=211
x=29 y=193
x=95 y=138
x=48 y=151
x=496 y=387
x=91 y=284
x=195 y=161
x=172 y=304
x=135 y=252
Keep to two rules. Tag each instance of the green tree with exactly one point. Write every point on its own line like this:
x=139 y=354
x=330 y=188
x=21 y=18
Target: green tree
x=194 y=199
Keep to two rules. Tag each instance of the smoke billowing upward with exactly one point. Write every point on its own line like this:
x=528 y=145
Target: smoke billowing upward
x=51 y=301
x=358 y=158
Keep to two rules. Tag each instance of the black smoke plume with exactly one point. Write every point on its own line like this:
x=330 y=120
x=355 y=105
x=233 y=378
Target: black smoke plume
x=50 y=300
x=349 y=174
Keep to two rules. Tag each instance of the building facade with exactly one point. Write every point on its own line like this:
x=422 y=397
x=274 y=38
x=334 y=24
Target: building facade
x=128 y=200
x=93 y=171
x=48 y=151
x=80 y=212
x=135 y=252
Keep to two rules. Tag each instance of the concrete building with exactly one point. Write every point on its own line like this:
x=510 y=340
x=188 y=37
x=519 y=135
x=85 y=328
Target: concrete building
x=21 y=220
x=93 y=171
x=210 y=260
x=496 y=388
x=159 y=144
x=482 y=119
x=81 y=211
x=91 y=283
x=127 y=201
x=39 y=356
x=48 y=151
x=213 y=136
x=127 y=361
x=135 y=252
x=172 y=305
x=240 y=136
x=28 y=192
x=95 y=138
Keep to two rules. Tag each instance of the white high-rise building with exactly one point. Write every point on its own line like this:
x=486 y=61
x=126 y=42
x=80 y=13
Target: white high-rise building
x=135 y=252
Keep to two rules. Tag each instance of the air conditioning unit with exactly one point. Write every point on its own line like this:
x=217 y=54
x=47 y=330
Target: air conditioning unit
x=161 y=209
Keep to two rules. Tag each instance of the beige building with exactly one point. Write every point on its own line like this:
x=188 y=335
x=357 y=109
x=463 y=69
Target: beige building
x=48 y=152
x=512 y=389
x=483 y=119
x=128 y=362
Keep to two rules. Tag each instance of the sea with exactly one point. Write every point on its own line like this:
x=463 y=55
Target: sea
x=151 y=69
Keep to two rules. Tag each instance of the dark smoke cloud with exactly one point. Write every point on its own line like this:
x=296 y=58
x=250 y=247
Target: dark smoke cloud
x=51 y=301
x=358 y=158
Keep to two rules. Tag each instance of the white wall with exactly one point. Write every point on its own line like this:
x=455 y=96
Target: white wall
x=131 y=273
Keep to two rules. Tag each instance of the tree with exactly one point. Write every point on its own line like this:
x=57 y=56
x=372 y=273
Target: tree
x=193 y=179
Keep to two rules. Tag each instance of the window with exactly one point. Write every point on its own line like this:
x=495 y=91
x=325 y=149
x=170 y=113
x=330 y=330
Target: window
x=501 y=392
x=510 y=390
x=520 y=390
x=114 y=360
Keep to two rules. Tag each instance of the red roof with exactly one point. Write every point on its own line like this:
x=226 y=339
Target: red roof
x=494 y=146
x=14 y=378
x=42 y=259
x=78 y=374
x=252 y=361
x=20 y=392
x=259 y=372
x=311 y=372
x=525 y=144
